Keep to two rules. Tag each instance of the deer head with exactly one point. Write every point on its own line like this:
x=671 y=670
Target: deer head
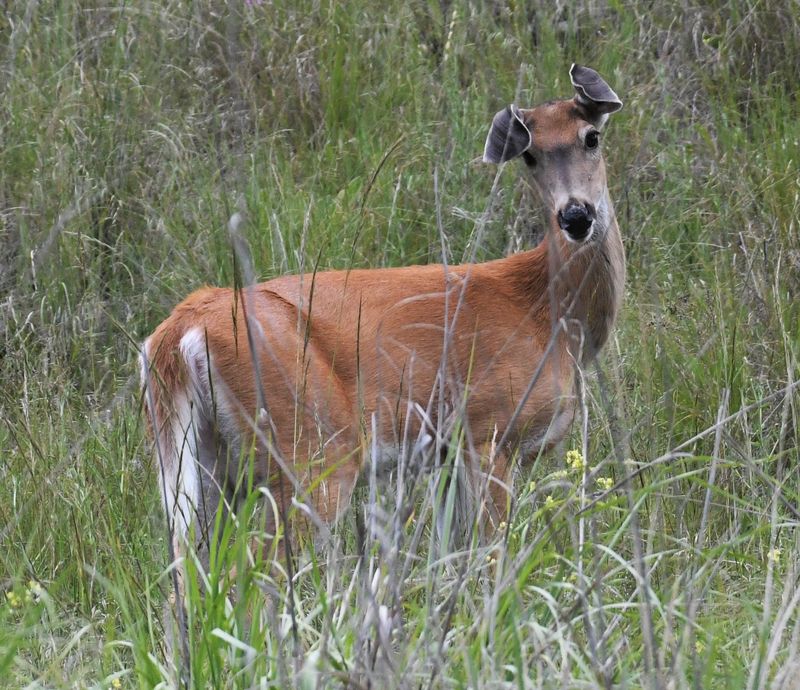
x=560 y=142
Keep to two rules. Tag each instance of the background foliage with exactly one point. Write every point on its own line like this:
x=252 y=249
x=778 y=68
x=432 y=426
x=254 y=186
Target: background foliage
x=132 y=132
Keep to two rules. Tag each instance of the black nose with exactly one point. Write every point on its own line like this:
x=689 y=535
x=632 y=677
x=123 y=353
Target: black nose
x=576 y=220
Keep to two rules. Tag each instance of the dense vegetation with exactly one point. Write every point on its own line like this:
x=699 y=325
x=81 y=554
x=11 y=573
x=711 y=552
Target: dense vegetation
x=347 y=134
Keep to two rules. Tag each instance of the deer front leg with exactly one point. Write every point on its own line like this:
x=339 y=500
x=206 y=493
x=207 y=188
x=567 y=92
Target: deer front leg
x=493 y=491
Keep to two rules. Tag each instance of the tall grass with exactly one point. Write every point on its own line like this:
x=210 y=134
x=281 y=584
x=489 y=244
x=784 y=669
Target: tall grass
x=132 y=132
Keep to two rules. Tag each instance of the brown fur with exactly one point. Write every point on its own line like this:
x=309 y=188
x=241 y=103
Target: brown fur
x=342 y=348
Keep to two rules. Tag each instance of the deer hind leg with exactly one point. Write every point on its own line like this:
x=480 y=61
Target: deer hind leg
x=211 y=434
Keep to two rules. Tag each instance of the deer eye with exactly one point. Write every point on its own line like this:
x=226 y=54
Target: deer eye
x=592 y=139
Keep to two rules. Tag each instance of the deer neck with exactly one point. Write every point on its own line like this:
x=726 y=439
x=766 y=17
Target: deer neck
x=577 y=286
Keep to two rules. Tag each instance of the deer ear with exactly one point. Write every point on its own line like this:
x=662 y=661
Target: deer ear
x=597 y=98
x=508 y=137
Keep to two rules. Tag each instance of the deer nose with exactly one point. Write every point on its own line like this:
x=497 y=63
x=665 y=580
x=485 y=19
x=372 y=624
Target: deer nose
x=576 y=220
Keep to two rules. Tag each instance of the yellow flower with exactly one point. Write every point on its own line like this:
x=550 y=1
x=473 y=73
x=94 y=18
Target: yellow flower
x=35 y=591
x=13 y=600
x=605 y=483
x=532 y=487
x=502 y=526
x=575 y=460
x=549 y=502
x=774 y=555
x=116 y=683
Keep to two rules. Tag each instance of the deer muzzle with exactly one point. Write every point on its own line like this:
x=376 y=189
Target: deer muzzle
x=576 y=219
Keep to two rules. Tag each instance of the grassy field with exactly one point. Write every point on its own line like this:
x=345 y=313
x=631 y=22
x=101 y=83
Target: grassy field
x=132 y=132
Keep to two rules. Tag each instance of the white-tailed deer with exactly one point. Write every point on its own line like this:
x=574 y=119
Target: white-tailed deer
x=306 y=375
